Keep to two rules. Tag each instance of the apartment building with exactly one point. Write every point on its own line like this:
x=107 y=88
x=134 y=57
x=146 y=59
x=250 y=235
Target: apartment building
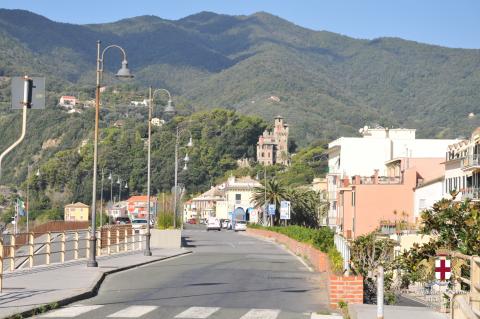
x=380 y=167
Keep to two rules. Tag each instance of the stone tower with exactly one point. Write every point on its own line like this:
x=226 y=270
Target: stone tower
x=272 y=146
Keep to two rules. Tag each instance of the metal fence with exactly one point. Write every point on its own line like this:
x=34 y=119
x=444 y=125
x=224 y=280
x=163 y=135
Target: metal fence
x=27 y=250
x=343 y=248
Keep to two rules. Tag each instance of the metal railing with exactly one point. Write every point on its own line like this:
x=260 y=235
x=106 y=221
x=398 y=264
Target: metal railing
x=465 y=300
x=470 y=161
x=343 y=247
x=27 y=250
x=471 y=193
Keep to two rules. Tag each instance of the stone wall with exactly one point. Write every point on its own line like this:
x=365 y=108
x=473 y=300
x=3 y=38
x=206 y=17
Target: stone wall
x=340 y=288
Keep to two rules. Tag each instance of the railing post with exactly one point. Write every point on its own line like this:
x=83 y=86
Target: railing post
x=62 y=248
x=140 y=241
x=475 y=280
x=125 y=238
x=48 y=248
x=117 y=241
x=75 y=243
x=87 y=245
x=12 y=252
x=30 y=249
x=1 y=264
x=132 y=236
x=99 y=242
x=109 y=240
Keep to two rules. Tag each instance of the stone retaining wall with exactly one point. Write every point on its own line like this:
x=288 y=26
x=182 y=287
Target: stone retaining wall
x=340 y=288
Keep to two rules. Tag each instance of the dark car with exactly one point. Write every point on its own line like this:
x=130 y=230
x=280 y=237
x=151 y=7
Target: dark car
x=122 y=220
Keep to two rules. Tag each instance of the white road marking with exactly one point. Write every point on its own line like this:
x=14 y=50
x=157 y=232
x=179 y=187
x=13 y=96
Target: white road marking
x=70 y=312
x=198 y=312
x=132 y=312
x=317 y=316
x=261 y=314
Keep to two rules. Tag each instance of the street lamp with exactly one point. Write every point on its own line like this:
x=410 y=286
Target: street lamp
x=185 y=167
x=124 y=72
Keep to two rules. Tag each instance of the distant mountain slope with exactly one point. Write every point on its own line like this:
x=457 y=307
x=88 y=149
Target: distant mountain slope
x=327 y=84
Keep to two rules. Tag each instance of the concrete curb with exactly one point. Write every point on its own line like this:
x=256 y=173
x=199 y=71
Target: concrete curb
x=89 y=292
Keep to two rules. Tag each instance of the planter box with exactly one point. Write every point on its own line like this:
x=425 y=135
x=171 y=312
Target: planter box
x=166 y=238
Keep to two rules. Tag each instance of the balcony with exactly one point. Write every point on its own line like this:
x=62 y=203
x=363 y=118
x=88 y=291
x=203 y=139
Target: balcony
x=471 y=162
x=472 y=193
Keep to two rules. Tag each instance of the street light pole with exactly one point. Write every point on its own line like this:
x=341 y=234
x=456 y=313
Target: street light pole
x=125 y=73
x=176 y=181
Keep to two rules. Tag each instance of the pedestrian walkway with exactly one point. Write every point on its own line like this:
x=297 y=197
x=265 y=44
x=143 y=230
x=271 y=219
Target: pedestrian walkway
x=149 y=311
x=394 y=312
x=59 y=284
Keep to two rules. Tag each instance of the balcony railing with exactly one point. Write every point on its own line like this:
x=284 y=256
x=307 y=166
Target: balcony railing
x=471 y=193
x=471 y=162
x=383 y=180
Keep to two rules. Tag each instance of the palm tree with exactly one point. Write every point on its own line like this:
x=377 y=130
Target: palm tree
x=274 y=193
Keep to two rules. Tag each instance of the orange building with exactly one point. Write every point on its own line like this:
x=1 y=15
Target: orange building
x=137 y=206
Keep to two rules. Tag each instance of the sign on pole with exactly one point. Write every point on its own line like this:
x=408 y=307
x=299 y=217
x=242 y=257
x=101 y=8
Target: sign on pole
x=285 y=210
x=443 y=269
x=38 y=92
x=271 y=209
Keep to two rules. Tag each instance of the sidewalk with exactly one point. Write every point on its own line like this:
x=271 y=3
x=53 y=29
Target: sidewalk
x=394 y=312
x=26 y=290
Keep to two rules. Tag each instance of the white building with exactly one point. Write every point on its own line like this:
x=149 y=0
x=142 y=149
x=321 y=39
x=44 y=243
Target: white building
x=139 y=103
x=238 y=196
x=427 y=194
x=462 y=168
x=390 y=151
x=157 y=122
x=67 y=101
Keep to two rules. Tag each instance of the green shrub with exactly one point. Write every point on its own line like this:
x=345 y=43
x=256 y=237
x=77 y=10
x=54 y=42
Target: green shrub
x=165 y=220
x=336 y=260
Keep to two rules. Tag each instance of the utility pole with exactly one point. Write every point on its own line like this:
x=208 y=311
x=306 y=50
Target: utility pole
x=265 y=212
x=101 y=202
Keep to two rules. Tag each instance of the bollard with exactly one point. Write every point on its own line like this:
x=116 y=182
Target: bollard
x=12 y=252
x=380 y=293
x=30 y=249
x=109 y=241
x=75 y=247
x=48 y=248
x=132 y=237
x=62 y=248
x=117 y=240
x=125 y=239
x=99 y=242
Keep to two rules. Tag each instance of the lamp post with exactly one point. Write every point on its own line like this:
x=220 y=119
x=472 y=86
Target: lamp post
x=124 y=72
x=147 y=251
x=186 y=159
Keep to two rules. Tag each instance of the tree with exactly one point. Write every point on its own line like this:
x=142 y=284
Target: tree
x=274 y=192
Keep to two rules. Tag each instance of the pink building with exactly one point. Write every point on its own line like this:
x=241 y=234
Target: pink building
x=272 y=147
x=365 y=203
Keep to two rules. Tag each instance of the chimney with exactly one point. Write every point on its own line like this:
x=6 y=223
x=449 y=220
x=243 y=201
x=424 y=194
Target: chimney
x=375 y=177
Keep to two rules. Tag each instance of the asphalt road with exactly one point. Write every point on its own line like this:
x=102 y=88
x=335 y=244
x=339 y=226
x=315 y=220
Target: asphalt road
x=229 y=275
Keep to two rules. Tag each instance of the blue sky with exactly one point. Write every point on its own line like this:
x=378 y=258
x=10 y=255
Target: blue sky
x=452 y=23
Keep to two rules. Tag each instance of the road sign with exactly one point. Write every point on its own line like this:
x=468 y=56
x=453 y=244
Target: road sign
x=443 y=270
x=284 y=209
x=38 y=93
x=271 y=209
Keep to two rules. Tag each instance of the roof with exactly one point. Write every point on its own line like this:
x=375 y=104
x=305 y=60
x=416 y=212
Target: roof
x=68 y=97
x=432 y=181
x=140 y=198
x=77 y=204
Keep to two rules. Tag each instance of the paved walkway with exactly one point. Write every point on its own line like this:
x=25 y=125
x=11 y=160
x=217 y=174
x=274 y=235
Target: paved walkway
x=26 y=290
x=394 y=312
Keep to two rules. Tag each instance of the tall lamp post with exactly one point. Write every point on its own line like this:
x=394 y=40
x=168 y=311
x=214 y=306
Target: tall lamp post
x=124 y=72
x=179 y=131
x=147 y=251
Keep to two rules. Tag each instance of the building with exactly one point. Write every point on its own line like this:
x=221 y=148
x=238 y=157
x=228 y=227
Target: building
x=462 y=168
x=373 y=165
x=426 y=194
x=117 y=210
x=137 y=207
x=204 y=206
x=238 y=199
x=157 y=122
x=272 y=146
x=139 y=103
x=67 y=101
x=76 y=212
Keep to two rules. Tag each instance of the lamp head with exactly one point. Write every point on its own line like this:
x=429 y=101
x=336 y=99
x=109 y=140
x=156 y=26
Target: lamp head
x=170 y=109
x=38 y=172
x=190 y=142
x=185 y=167
x=186 y=159
x=126 y=185
x=124 y=72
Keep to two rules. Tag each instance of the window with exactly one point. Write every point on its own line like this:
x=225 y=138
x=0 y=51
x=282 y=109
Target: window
x=353 y=199
x=238 y=198
x=422 y=204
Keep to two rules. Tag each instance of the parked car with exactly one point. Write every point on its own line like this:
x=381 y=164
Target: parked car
x=138 y=224
x=214 y=224
x=225 y=223
x=122 y=220
x=192 y=221
x=240 y=225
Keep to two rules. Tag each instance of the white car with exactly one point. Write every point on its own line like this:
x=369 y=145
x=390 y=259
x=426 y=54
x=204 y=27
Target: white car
x=213 y=223
x=138 y=224
x=240 y=225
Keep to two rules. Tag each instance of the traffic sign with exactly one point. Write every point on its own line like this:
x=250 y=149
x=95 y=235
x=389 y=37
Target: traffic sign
x=38 y=92
x=284 y=209
x=443 y=269
x=271 y=209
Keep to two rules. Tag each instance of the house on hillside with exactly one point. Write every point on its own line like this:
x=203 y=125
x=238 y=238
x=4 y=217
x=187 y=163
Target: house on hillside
x=137 y=206
x=67 y=101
